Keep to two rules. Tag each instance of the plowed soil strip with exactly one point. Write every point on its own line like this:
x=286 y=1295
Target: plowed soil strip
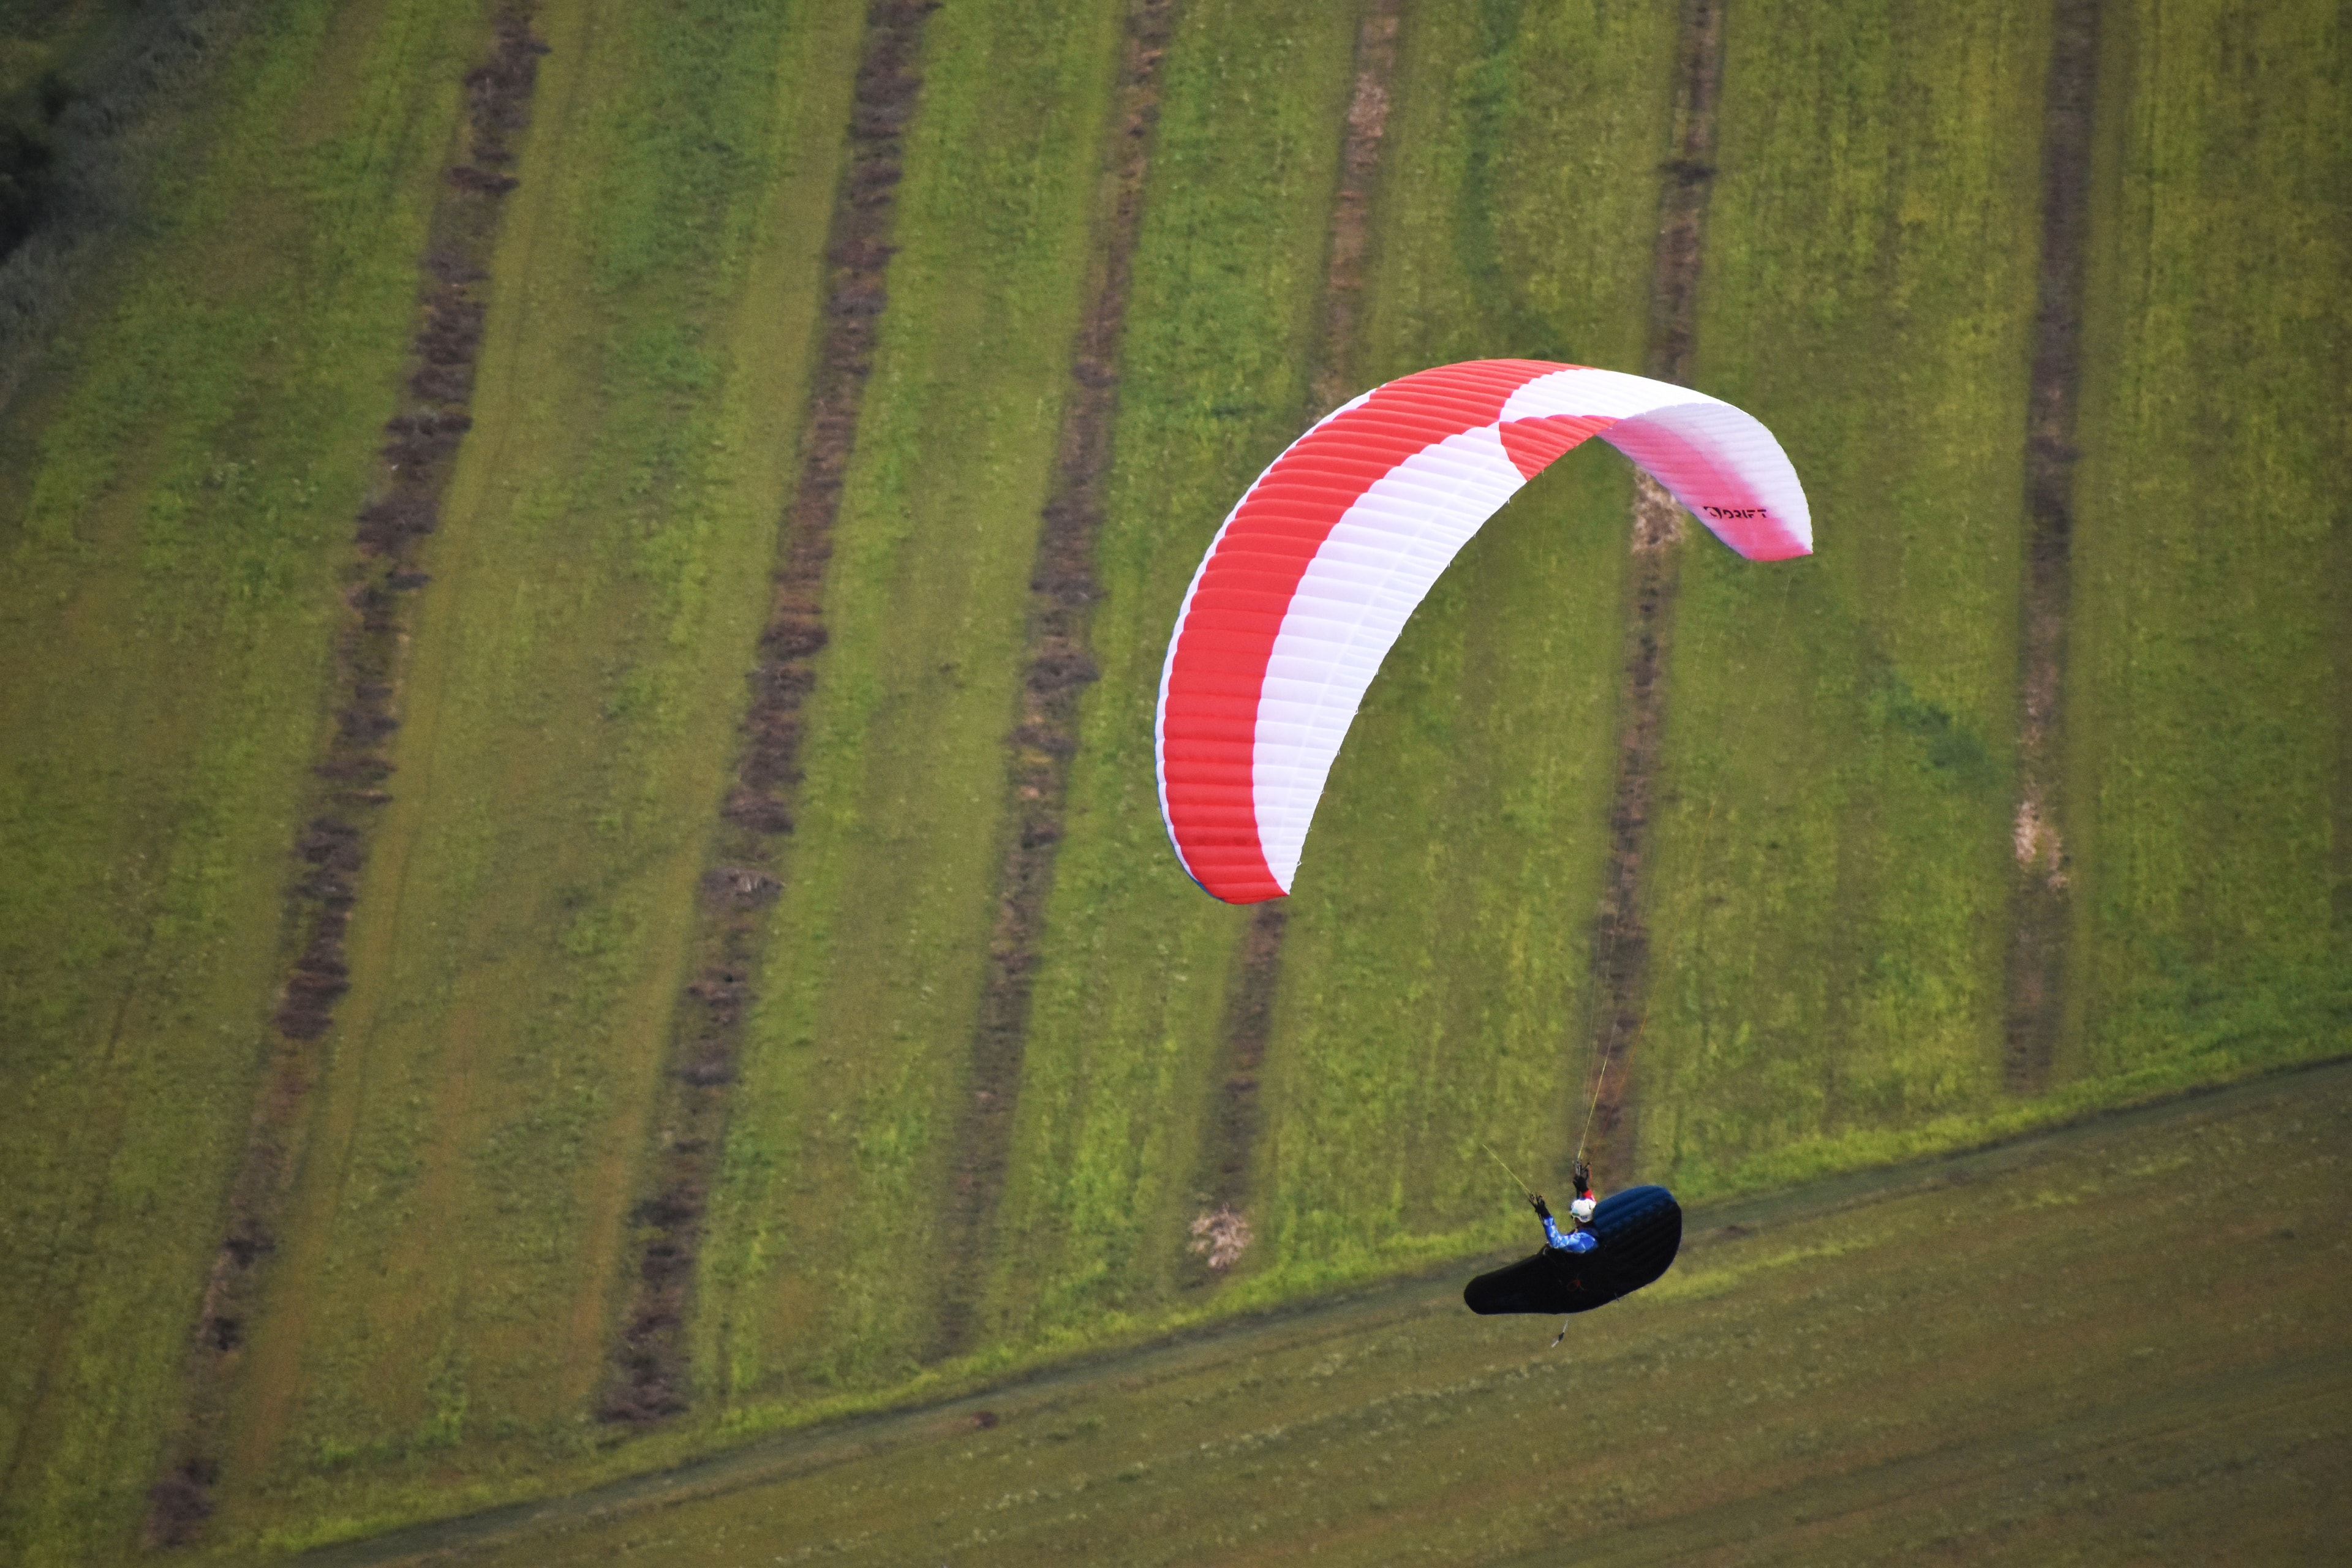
x=413 y=470
x=2039 y=899
x=648 y=1380
x=1621 y=938
x=1229 y=1140
x=1058 y=666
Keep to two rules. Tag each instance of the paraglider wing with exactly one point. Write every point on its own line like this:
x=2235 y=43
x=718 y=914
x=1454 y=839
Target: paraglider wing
x=1640 y=1230
x=1323 y=560
x=1551 y=1283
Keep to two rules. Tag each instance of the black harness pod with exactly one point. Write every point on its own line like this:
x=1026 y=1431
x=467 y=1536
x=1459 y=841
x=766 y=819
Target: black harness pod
x=1639 y=1229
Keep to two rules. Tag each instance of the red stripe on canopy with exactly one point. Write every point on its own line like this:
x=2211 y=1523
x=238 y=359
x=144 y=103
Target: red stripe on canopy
x=1227 y=634
x=1534 y=444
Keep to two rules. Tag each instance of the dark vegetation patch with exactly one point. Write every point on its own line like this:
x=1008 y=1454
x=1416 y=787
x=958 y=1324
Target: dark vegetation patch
x=1620 y=937
x=73 y=134
x=1220 y=1184
x=1687 y=175
x=1058 y=667
x=420 y=445
x=2040 y=905
x=650 y=1378
x=1946 y=748
x=26 y=160
x=178 y=1505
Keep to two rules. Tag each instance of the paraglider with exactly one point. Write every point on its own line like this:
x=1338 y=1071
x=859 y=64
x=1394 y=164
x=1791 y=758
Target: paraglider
x=1612 y=1247
x=1633 y=1237
x=1323 y=560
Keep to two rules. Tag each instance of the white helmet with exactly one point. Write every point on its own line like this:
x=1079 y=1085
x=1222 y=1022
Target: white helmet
x=1583 y=1209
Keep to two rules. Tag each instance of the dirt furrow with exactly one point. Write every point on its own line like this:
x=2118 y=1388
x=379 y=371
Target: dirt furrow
x=414 y=467
x=1220 y=1233
x=2039 y=899
x=1057 y=668
x=648 y=1380
x=1220 y=1183
x=1621 y=938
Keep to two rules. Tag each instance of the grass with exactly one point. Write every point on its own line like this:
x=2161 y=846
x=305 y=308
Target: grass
x=2213 y=655
x=1998 y=1358
x=1829 y=882
x=443 y=1304
x=819 y=1273
x=1221 y=326
x=181 y=471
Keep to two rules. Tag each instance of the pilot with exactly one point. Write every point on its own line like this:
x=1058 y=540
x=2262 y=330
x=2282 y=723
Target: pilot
x=1576 y=1238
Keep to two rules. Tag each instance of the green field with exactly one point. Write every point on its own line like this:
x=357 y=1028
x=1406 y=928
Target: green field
x=1437 y=981
x=1828 y=877
x=1130 y=989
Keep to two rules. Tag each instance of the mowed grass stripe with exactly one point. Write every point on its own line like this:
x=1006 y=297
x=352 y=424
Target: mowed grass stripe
x=1056 y=667
x=1435 y=975
x=412 y=471
x=444 y=1289
x=2211 y=676
x=821 y=1268
x=180 y=476
x=650 y=1380
x=1136 y=960
x=1830 y=876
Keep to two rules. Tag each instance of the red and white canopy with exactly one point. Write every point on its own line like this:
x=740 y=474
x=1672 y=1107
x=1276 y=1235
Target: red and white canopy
x=1321 y=562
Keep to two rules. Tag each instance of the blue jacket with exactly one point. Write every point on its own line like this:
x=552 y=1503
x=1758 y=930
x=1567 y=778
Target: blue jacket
x=1571 y=1241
